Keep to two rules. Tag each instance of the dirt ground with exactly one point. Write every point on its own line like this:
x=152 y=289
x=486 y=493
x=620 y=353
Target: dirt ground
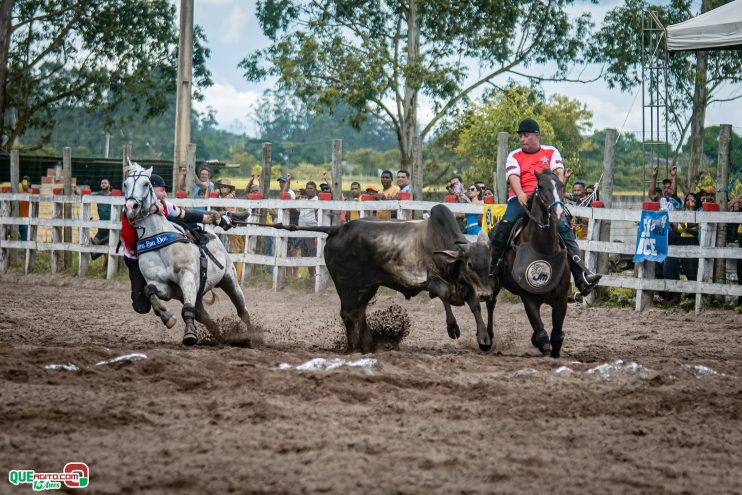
x=436 y=416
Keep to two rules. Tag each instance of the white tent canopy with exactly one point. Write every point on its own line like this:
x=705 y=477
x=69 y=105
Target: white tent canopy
x=716 y=29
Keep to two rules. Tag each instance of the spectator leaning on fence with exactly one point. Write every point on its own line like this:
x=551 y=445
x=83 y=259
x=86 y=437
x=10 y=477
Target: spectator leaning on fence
x=203 y=186
x=388 y=191
x=403 y=181
x=104 y=213
x=355 y=195
x=235 y=243
x=308 y=218
x=24 y=187
x=682 y=234
x=473 y=220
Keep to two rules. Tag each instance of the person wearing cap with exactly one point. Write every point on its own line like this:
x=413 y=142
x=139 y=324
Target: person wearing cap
x=667 y=198
x=139 y=300
x=284 y=183
x=520 y=169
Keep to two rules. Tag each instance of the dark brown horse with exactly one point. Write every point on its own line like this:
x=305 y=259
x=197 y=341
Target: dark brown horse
x=536 y=266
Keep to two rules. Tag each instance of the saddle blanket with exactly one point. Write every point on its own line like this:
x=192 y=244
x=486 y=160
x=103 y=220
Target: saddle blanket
x=536 y=272
x=159 y=241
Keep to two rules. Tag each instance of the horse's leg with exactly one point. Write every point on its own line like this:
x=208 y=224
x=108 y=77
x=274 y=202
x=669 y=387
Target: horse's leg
x=558 y=312
x=540 y=338
x=203 y=317
x=230 y=284
x=189 y=288
x=166 y=316
x=483 y=338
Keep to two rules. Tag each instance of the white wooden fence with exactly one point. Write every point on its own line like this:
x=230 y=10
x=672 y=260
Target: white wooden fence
x=644 y=282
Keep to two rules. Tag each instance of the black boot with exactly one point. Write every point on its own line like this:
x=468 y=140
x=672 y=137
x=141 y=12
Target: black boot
x=585 y=280
x=499 y=245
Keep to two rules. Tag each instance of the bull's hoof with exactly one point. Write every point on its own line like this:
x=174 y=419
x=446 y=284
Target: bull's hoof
x=485 y=347
x=453 y=331
x=190 y=339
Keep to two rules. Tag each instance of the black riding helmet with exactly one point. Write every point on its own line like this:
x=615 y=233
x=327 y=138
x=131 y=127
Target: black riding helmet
x=157 y=181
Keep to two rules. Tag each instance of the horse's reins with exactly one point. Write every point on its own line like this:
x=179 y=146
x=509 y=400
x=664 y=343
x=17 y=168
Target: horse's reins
x=150 y=193
x=545 y=209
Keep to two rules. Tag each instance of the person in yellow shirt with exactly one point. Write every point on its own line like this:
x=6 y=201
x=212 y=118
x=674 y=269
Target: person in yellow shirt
x=355 y=193
x=388 y=192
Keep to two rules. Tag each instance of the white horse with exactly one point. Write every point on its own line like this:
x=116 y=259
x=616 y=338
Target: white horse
x=171 y=265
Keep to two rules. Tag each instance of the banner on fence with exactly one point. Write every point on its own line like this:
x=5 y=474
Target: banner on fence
x=651 y=239
x=491 y=215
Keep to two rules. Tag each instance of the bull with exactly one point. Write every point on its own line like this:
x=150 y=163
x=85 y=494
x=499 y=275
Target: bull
x=410 y=257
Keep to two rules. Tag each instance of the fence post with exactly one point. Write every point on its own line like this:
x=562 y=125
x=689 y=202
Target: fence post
x=190 y=170
x=114 y=234
x=321 y=276
x=609 y=161
x=83 y=256
x=337 y=176
x=33 y=229
x=67 y=166
x=55 y=263
x=4 y=252
x=500 y=182
x=280 y=251
x=707 y=239
x=722 y=183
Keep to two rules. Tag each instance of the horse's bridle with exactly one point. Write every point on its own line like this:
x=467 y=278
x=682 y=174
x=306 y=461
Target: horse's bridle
x=150 y=194
x=546 y=209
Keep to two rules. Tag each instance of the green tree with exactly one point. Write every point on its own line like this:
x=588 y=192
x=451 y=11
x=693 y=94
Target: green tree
x=694 y=78
x=562 y=122
x=98 y=54
x=379 y=57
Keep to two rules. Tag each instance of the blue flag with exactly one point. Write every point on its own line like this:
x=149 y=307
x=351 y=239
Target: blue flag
x=651 y=239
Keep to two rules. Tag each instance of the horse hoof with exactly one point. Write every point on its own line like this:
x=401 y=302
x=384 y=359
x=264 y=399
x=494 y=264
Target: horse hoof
x=189 y=340
x=171 y=322
x=485 y=347
x=545 y=350
x=555 y=354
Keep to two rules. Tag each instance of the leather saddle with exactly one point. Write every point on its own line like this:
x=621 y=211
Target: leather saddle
x=533 y=271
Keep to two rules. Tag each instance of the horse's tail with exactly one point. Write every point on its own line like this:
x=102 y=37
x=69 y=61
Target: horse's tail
x=213 y=298
x=329 y=229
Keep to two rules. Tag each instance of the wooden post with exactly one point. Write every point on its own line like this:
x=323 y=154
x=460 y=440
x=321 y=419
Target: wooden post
x=501 y=183
x=33 y=214
x=15 y=165
x=4 y=252
x=84 y=256
x=67 y=166
x=183 y=92
x=643 y=296
x=280 y=250
x=190 y=177
x=417 y=168
x=707 y=239
x=337 y=176
x=321 y=275
x=55 y=263
x=722 y=197
x=609 y=162
x=113 y=240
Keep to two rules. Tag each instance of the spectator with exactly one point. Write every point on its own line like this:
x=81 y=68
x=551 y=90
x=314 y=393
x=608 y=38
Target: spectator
x=24 y=187
x=591 y=193
x=707 y=195
x=454 y=188
x=473 y=220
x=668 y=199
x=388 y=192
x=251 y=187
x=104 y=213
x=203 y=184
x=355 y=193
x=487 y=193
x=324 y=184
x=234 y=243
x=682 y=234
x=735 y=205
x=403 y=181
x=308 y=218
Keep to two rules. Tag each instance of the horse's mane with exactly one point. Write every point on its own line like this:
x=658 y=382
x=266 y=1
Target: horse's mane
x=133 y=168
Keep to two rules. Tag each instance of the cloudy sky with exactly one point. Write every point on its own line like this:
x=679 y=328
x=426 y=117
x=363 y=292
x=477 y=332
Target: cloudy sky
x=233 y=31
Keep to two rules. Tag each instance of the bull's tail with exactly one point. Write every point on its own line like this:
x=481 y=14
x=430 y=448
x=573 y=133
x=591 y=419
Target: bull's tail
x=328 y=229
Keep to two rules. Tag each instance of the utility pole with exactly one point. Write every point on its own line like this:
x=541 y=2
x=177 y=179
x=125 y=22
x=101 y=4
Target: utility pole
x=183 y=98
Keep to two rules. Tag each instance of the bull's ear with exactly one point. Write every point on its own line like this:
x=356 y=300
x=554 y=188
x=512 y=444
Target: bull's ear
x=448 y=256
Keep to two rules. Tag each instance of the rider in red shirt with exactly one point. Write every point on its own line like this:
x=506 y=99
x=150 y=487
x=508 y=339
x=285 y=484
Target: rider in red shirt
x=520 y=169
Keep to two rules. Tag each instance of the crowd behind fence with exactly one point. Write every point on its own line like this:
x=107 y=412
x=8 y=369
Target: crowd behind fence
x=46 y=225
